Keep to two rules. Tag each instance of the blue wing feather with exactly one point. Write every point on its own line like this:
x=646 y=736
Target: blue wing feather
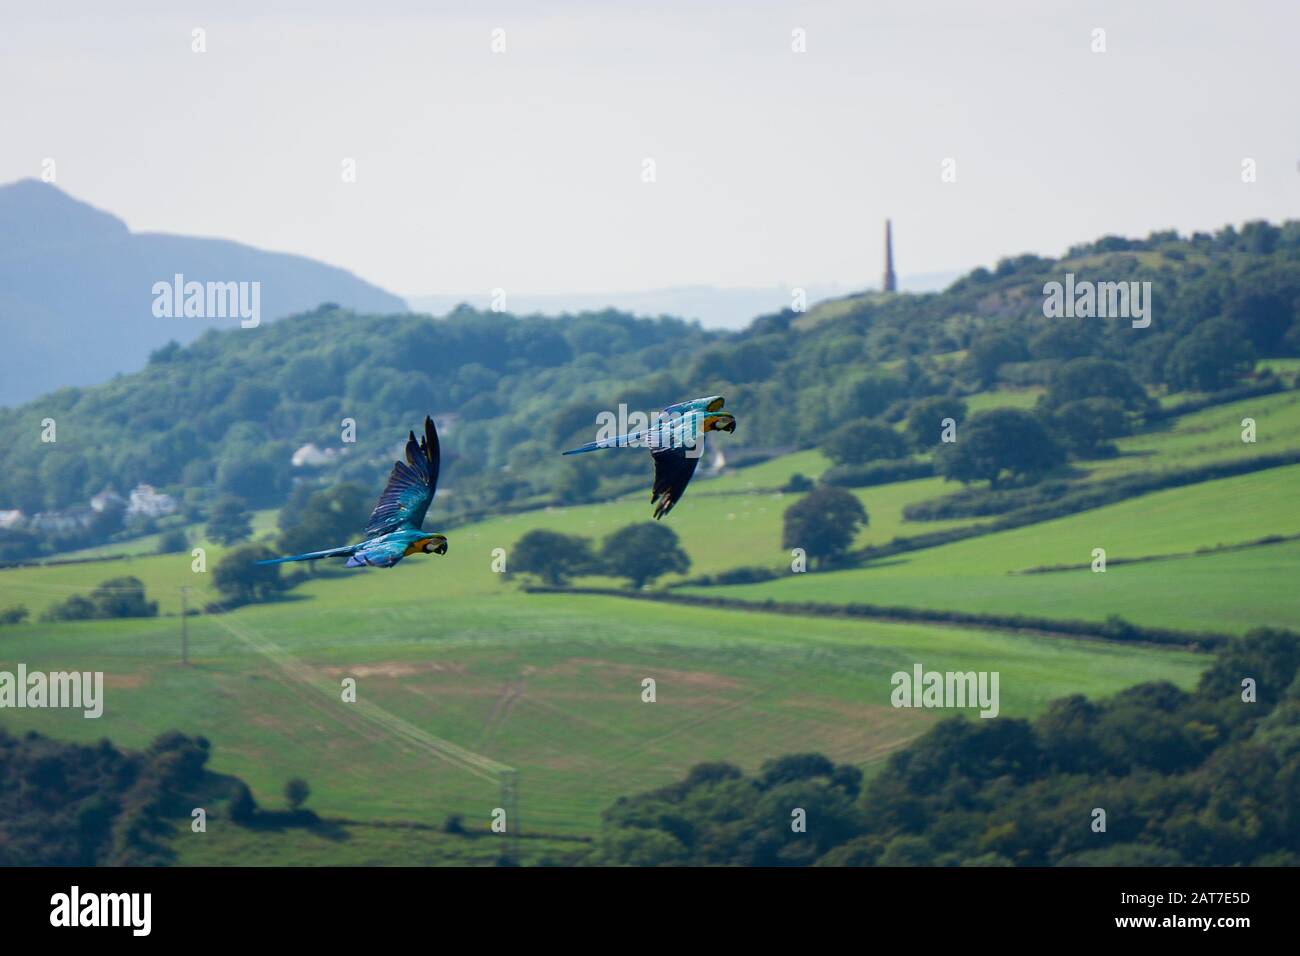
x=713 y=403
x=411 y=485
x=313 y=555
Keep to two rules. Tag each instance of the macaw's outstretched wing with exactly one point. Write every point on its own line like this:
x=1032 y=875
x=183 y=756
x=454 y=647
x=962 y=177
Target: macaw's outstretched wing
x=673 y=470
x=668 y=432
x=410 y=487
x=713 y=403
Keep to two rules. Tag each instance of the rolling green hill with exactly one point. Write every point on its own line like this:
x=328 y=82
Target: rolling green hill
x=1210 y=435
x=463 y=678
x=224 y=414
x=550 y=685
x=1228 y=591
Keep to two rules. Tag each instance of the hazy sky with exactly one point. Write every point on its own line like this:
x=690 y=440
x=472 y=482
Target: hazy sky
x=523 y=169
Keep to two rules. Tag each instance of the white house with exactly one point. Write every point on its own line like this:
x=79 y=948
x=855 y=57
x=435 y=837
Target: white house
x=310 y=456
x=149 y=503
x=108 y=498
x=56 y=522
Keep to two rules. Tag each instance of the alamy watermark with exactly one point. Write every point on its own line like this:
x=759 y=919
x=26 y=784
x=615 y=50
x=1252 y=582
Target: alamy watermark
x=75 y=908
x=209 y=300
x=1103 y=300
x=922 y=688
x=80 y=690
x=635 y=429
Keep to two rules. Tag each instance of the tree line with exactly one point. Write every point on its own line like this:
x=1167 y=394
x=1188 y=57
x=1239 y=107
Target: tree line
x=1209 y=777
x=223 y=416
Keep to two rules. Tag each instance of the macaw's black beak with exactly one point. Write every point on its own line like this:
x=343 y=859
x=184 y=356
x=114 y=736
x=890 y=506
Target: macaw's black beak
x=441 y=548
x=730 y=427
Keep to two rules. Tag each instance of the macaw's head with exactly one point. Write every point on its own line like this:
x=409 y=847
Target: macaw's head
x=436 y=544
x=722 y=422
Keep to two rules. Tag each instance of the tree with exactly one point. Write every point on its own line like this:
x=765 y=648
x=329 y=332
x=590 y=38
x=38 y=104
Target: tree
x=861 y=441
x=718 y=816
x=552 y=556
x=799 y=482
x=116 y=597
x=122 y=597
x=643 y=552
x=307 y=377
x=925 y=420
x=13 y=615
x=863 y=395
x=296 y=792
x=1000 y=440
x=991 y=352
x=824 y=523
x=260 y=477
x=809 y=766
x=1212 y=356
x=74 y=608
x=1083 y=378
x=229 y=522
x=1065 y=340
x=173 y=541
x=1086 y=426
x=251 y=401
x=736 y=362
x=242 y=808
x=109 y=520
x=242 y=580
x=577 y=482
x=1266 y=308
x=908 y=850
x=312 y=520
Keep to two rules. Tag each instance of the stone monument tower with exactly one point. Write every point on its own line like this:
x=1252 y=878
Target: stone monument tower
x=890 y=282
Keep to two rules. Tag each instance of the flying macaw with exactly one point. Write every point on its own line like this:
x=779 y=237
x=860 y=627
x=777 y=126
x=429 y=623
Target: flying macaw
x=676 y=440
x=394 y=530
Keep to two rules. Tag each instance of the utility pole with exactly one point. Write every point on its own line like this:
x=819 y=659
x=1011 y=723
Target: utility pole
x=185 y=636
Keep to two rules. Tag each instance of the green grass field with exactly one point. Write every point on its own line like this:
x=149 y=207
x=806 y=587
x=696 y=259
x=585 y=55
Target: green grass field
x=1228 y=591
x=752 y=521
x=1281 y=366
x=1210 y=435
x=460 y=675
x=1003 y=398
x=550 y=685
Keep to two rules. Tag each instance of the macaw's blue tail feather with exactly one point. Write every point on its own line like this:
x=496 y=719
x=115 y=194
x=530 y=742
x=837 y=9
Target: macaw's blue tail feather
x=618 y=441
x=313 y=555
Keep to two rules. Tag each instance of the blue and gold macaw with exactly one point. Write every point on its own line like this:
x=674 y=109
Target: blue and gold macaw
x=394 y=531
x=676 y=441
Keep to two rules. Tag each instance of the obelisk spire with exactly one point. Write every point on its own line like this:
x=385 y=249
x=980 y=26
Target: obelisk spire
x=890 y=283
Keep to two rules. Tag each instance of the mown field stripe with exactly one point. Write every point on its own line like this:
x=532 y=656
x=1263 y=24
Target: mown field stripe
x=477 y=764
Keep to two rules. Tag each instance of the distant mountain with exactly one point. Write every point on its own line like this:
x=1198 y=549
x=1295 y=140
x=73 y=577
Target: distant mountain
x=715 y=307
x=76 y=290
